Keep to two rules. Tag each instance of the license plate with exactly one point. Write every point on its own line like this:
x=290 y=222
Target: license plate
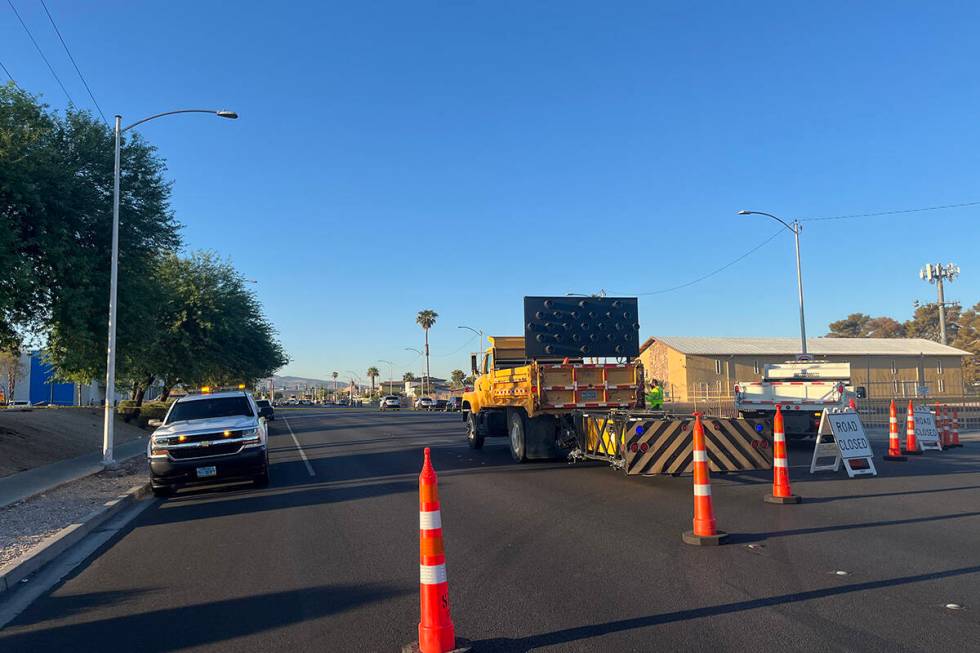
x=206 y=472
x=589 y=395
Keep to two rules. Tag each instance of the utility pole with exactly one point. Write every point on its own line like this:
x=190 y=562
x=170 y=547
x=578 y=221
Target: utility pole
x=935 y=273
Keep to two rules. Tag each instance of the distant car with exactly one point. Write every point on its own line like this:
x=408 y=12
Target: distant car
x=454 y=405
x=206 y=439
x=19 y=403
x=424 y=403
x=265 y=409
x=440 y=404
x=390 y=402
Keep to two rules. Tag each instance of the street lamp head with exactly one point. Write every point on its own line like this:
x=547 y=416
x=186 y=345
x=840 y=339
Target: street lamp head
x=224 y=113
x=744 y=212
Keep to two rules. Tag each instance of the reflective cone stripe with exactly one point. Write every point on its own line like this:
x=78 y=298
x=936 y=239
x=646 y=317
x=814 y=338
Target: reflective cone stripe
x=704 y=516
x=894 y=448
x=436 y=631
x=780 y=467
x=956 y=428
x=911 y=444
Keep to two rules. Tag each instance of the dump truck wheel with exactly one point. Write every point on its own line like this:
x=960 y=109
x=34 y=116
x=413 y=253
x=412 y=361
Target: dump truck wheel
x=516 y=429
x=473 y=436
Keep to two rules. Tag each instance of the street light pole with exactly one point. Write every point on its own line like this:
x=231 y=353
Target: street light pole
x=423 y=373
x=479 y=333
x=391 y=374
x=795 y=228
x=108 y=432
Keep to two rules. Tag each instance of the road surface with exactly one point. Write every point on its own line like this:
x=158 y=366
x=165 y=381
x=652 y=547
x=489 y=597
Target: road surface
x=543 y=556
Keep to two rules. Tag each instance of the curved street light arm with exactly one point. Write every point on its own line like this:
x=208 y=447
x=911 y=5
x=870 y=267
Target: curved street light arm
x=779 y=220
x=218 y=112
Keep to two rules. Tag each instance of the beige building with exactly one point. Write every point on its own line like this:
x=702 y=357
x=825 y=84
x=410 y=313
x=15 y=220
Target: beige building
x=693 y=368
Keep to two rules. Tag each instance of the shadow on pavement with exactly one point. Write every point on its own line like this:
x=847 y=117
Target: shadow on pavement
x=746 y=538
x=596 y=630
x=74 y=604
x=171 y=629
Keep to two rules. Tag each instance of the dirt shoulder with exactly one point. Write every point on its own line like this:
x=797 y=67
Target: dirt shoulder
x=40 y=436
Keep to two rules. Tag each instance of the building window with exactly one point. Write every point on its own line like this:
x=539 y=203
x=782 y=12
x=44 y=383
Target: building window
x=717 y=366
x=939 y=366
x=756 y=368
x=941 y=384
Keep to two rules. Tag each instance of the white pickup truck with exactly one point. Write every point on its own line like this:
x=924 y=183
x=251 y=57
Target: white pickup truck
x=802 y=389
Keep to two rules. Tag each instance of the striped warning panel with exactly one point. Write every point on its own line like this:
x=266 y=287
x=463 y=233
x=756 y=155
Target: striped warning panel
x=665 y=446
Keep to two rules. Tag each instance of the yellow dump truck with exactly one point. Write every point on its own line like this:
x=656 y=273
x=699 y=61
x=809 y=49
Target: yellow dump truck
x=528 y=399
x=572 y=385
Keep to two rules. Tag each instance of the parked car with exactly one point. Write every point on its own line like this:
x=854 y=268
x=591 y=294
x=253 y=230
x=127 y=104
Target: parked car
x=19 y=403
x=265 y=409
x=440 y=404
x=390 y=402
x=424 y=403
x=207 y=438
x=454 y=405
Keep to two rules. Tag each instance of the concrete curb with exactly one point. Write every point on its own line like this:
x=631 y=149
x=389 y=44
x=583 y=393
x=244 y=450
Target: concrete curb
x=57 y=543
x=84 y=473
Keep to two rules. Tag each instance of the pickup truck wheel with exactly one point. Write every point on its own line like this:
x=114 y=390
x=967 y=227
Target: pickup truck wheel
x=516 y=429
x=473 y=436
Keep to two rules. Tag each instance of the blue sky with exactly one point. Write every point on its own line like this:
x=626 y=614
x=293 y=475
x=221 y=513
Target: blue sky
x=459 y=155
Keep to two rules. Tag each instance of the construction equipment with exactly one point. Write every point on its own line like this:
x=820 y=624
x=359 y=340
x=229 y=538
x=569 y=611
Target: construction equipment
x=802 y=388
x=572 y=385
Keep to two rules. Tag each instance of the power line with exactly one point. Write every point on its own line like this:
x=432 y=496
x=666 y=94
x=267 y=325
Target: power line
x=706 y=276
x=38 y=48
x=895 y=212
x=7 y=72
x=77 y=70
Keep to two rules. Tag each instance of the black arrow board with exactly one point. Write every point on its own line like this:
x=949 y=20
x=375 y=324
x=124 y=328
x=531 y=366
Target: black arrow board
x=578 y=327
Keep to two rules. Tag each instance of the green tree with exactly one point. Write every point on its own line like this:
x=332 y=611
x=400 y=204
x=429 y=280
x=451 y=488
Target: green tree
x=883 y=327
x=968 y=339
x=373 y=374
x=408 y=377
x=925 y=323
x=426 y=319
x=211 y=330
x=457 y=377
x=853 y=326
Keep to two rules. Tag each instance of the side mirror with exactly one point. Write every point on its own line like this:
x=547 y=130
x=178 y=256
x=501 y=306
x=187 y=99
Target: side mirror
x=155 y=423
x=473 y=365
x=861 y=392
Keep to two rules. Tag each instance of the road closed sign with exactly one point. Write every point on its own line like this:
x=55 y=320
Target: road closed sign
x=841 y=439
x=849 y=433
x=926 y=431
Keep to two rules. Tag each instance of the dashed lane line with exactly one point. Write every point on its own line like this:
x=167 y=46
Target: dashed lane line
x=302 y=453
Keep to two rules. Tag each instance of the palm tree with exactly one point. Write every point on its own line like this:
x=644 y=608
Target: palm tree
x=426 y=319
x=373 y=373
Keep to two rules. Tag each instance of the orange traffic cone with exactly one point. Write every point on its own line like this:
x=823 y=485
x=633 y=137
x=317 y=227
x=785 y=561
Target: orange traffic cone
x=781 y=492
x=956 y=429
x=436 y=631
x=941 y=425
x=704 y=533
x=894 y=448
x=911 y=444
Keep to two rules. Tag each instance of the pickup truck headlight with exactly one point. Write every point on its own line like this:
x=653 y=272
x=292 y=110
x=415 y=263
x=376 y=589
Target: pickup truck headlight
x=251 y=436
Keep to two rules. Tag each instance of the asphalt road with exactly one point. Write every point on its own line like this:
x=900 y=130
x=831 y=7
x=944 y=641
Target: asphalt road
x=544 y=556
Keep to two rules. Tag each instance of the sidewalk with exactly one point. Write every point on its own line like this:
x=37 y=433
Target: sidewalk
x=17 y=487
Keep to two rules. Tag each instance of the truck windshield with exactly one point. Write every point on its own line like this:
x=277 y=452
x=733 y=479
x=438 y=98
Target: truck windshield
x=208 y=408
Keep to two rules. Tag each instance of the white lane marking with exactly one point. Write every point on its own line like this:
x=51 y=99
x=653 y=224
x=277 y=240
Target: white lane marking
x=302 y=453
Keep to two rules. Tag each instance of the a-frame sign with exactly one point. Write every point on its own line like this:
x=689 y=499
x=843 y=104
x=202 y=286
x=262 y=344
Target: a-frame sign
x=841 y=439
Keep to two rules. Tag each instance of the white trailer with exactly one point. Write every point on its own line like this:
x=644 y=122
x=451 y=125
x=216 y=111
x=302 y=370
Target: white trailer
x=802 y=389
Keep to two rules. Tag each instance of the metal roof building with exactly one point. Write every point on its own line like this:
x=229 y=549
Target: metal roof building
x=707 y=368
